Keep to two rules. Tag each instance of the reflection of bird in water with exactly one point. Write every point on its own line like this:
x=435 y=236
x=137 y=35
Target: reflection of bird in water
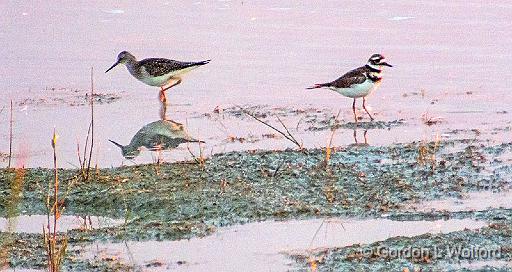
x=157 y=71
x=365 y=135
x=158 y=135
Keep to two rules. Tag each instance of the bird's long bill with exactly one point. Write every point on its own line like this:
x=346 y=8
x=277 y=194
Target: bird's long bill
x=118 y=145
x=386 y=64
x=115 y=64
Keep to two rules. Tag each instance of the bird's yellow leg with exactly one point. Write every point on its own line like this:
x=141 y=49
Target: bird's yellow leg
x=172 y=85
x=354 y=110
x=163 y=111
x=162 y=96
x=364 y=107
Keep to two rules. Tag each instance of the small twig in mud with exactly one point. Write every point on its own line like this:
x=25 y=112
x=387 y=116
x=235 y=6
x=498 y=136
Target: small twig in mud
x=10 y=137
x=298 y=123
x=277 y=169
x=431 y=120
x=287 y=135
x=288 y=132
x=201 y=160
x=328 y=148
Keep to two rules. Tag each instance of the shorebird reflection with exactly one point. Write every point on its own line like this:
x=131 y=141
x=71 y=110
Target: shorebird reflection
x=155 y=136
x=365 y=135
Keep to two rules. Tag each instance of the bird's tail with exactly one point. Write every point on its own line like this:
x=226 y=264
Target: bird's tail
x=319 y=85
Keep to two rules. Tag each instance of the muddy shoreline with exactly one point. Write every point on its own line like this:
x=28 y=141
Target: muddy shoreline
x=183 y=200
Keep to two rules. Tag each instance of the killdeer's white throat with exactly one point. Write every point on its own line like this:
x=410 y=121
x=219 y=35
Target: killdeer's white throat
x=359 y=82
x=156 y=71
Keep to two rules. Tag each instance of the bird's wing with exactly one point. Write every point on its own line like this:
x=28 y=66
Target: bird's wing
x=356 y=76
x=159 y=67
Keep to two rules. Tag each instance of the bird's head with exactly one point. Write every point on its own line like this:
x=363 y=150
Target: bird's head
x=128 y=151
x=122 y=58
x=377 y=61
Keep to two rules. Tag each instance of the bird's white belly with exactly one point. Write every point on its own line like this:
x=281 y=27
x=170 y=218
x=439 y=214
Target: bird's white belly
x=156 y=81
x=357 y=90
x=163 y=79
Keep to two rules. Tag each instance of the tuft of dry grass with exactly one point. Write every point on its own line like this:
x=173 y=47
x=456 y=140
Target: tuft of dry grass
x=17 y=180
x=312 y=265
x=328 y=148
x=85 y=159
x=427 y=152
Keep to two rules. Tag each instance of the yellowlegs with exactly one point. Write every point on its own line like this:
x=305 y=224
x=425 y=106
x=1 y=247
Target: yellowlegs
x=359 y=82
x=158 y=135
x=156 y=71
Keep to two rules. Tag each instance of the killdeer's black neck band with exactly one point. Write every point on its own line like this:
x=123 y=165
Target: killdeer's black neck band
x=374 y=78
x=372 y=69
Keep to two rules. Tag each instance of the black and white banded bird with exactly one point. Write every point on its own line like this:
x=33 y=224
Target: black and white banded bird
x=359 y=82
x=157 y=72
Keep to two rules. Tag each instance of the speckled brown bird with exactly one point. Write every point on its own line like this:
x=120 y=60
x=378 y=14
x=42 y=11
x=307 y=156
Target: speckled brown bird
x=157 y=72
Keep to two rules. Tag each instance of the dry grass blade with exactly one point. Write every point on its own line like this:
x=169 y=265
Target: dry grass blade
x=10 y=137
x=92 y=124
x=328 y=148
x=288 y=132
x=201 y=160
x=287 y=135
x=85 y=162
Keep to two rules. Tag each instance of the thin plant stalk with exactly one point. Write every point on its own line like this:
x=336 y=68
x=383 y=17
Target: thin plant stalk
x=328 y=150
x=92 y=124
x=55 y=248
x=85 y=163
x=10 y=137
x=55 y=186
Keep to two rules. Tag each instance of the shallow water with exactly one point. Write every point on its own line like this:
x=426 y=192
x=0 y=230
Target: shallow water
x=264 y=53
x=474 y=201
x=35 y=223
x=263 y=246
x=482 y=264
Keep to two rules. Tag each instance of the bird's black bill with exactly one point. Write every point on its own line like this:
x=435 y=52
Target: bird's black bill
x=386 y=64
x=115 y=64
x=118 y=145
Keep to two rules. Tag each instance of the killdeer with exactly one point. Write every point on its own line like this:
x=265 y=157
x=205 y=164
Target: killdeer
x=359 y=82
x=156 y=71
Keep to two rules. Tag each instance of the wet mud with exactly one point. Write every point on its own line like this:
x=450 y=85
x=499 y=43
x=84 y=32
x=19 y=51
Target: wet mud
x=183 y=200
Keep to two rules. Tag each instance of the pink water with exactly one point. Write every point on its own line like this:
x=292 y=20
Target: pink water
x=262 y=52
x=263 y=246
